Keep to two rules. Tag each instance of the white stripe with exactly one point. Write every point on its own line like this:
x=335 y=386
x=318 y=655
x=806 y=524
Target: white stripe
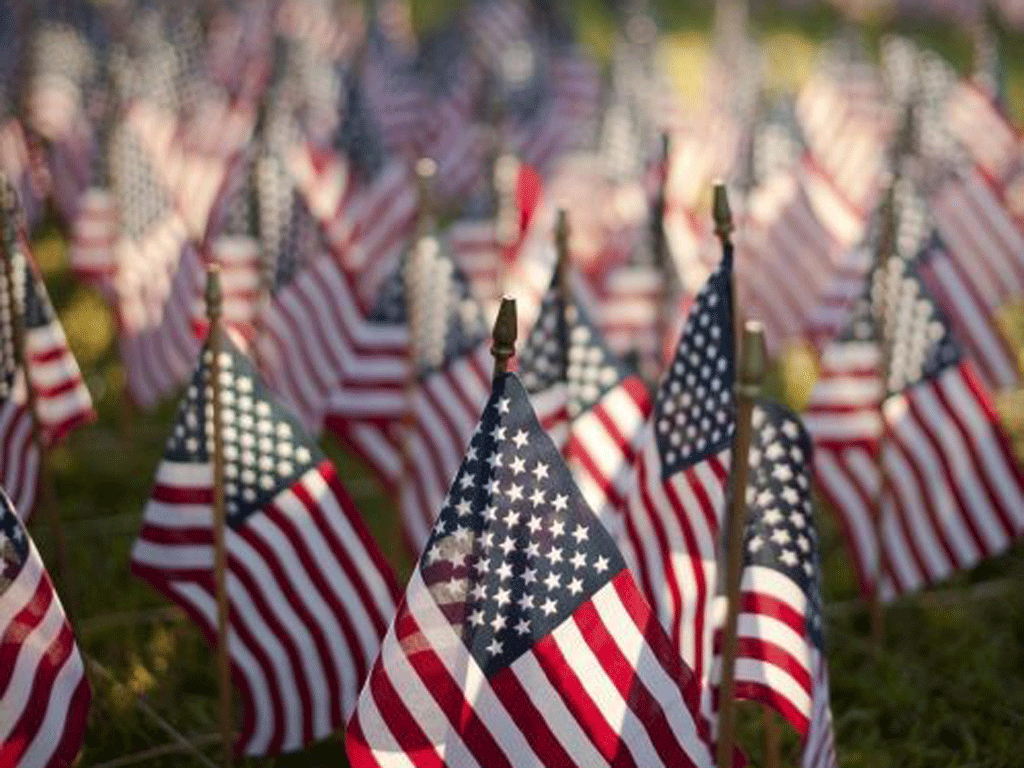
x=666 y=691
x=51 y=729
x=381 y=742
x=601 y=689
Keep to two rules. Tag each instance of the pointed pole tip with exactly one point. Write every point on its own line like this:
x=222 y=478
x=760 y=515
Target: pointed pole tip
x=721 y=212
x=503 y=337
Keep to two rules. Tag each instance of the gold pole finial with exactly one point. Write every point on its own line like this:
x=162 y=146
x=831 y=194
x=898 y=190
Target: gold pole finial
x=503 y=345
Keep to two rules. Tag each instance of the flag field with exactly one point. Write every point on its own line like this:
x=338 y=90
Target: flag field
x=941 y=691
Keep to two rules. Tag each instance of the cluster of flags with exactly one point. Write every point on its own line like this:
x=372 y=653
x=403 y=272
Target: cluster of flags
x=566 y=514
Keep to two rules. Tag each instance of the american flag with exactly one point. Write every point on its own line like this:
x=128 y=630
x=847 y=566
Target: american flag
x=309 y=592
x=674 y=508
x=44 y=693
x=797 y=239
x=62 y=401
x=970 y=316
x=588 y=401
x=522 y=638
x=983 y=129
x=780 y=657
x=452 y=367
x=987 y=244
x=901 y=424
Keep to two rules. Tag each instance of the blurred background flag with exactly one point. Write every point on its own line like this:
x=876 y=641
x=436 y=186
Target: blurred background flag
x=309 y=592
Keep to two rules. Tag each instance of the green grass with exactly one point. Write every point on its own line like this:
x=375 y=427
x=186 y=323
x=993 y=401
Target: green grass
x=944 y=691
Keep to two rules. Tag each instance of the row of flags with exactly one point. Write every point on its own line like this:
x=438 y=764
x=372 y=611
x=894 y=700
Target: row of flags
x=565 y=606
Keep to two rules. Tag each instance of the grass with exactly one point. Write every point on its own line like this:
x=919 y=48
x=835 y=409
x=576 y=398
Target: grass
x=944 y=690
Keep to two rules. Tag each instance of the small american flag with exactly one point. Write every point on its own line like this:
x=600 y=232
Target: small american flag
x=780 y=657
x=983 y=129
x=987 y=244
x=674 y=508
x=949 y=489
x=590 y=403
x=44 y=693
x=309 y=591
x=62 y=401
x=522 y=638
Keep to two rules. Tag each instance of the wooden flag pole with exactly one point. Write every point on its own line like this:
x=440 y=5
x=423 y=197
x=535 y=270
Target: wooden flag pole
x=503 y=337
x=214 y=299
x=886 y=243
x=562 y=279
x=752 y=361
x=662 y=259
x=44 y=503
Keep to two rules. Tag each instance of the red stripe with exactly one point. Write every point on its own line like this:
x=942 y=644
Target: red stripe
x=622 y=672
x=23 y=622
x=758 y=692
x=567 y=685
x=449 y=696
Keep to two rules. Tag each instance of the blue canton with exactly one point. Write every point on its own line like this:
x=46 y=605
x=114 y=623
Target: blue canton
x=694 y=415
x=266 y=450
x=780 y=532
x=564 y=347
x=14 y=544
x=515 y=550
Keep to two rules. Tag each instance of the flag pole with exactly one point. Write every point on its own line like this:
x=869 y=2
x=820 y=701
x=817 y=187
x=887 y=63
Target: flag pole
x=562 y=280
x=10 y=215
x=886 y=242
x=214 y=299
x=503 y=337
x=662 y=259
x=752 y=359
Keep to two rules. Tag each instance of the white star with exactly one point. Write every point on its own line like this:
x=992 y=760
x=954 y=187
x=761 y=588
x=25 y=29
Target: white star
x=498 y=622
x=523 y=627
x=579 y=560
x=555 y=555
x=530 y=576
x=498 y=433
x=476 y=618
x=789 y=557
x=483 y=565
x=494 y=460
x=535 y=523
x=537 y=497
x=780 y=536
x=487 y=540
x=462 y=534
x=549 y=607
x=508 y=545
x=775 y=451
x=466 y=481
x=798 y=519
x=782 y=473
x=803 y=543
x=503 y=404
x=755 y=545
x=502 y=597
x=575 y=586
x=580 y=534
x=601 y=564
x=490 y=513
x=520 y=438
x=494 y=486
x=552 y=581
x=540 y=472
x=464 y=508
x=494 y=648
x=512 y=517
x=515 y=492
x=772 y=516
x=557 y=527
x=504 y=570
x=518 y=465
x=533 y=549
x=790 y=495
x=479 y=591
x=560 y=502
x=434 y=554
x=525 y=602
